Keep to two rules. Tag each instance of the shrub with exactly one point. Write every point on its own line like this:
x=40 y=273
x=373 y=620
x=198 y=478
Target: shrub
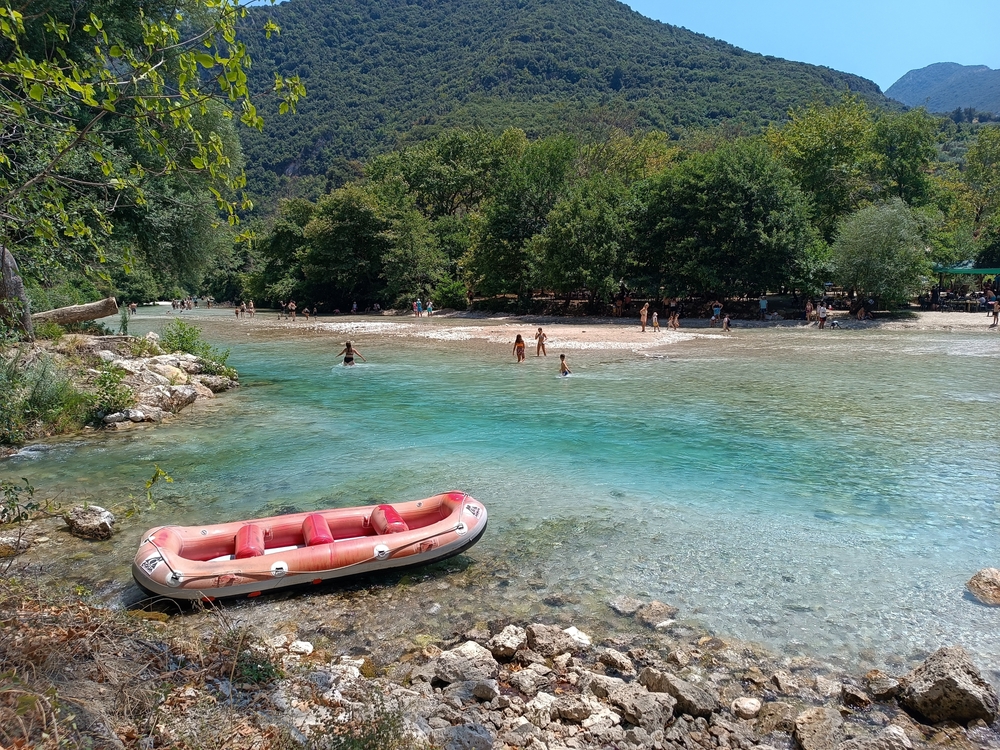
x=38 y=397
x=49 y=330
x=183 y=337
x=111 y=395
x=451 y=294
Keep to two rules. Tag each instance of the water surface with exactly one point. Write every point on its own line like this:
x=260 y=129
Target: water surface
x=826 y=495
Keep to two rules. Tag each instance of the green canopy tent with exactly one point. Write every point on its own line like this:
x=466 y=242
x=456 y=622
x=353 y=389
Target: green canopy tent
x=966 y=269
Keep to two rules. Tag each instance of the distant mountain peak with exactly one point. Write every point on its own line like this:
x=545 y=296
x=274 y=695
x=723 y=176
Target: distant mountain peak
x=946 y=86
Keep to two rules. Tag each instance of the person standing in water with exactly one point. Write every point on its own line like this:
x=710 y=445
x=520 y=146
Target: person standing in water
x=518 y=350
x=541 y=338
x=563 y=367
x=350 y=353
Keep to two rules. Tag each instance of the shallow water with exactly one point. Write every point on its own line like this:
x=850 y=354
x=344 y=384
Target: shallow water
x=826 y=495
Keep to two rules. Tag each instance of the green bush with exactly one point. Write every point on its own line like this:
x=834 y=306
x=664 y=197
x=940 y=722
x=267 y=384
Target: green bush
x=38 y=398
x=49 y=331
x=451 y=294
x=183 y=337
x=111 y=394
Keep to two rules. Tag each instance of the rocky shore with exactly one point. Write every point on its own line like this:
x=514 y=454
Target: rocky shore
x=495 y=687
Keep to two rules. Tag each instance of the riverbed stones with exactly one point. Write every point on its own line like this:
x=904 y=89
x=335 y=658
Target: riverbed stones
x=507 y=642
x=550 y=640
x=463 y=737
x=625 y=605
x=90 y=522
x=171 y=398
x=985 y=586
x=470 y=661
x=819 y=728
x=880 y=685
x=745 y=707
x=948 y=687
x=691 y=699
x=609 y=657
x=217 y=383
x=13 y=543
x=656 y=614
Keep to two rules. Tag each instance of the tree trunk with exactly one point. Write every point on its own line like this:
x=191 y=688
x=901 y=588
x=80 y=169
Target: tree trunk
x=15 y=309
x=78 y=313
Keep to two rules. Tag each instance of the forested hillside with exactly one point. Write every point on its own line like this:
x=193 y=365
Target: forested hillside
x=381 y=73
x=944 y=87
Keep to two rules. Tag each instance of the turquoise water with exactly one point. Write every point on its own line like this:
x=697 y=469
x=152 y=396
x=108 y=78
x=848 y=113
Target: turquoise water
x=826 y=495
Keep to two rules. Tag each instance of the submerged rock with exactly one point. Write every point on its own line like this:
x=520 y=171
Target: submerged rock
x=948 y=687
x=985 y=586
x=90 y=522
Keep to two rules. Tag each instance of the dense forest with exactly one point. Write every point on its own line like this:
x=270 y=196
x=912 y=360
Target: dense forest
x=387 y=73
x=845 y=193
x=580 y=148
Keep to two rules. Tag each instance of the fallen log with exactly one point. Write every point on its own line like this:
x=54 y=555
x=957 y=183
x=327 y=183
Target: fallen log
x=77 y=313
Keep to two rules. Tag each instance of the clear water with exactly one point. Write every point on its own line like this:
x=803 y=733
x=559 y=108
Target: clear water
x=826 y=495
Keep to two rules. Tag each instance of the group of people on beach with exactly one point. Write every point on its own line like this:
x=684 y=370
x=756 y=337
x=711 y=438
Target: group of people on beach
x=245 y=310
x=418 y=308
x=673 y=316
x=540 y=338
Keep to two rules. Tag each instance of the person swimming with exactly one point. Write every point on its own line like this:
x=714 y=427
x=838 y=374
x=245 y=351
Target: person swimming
x=349 y=353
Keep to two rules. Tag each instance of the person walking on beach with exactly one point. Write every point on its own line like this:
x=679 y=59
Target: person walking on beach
x=656 y=322
x=675 y=313
x=291 y=309
x=563 y=367
x=518 y=350
x=725 y=324
x=430 y=308
x=822 y=312
x=642 y=316
x=716 y=313
x=996 y=313
x=350 y=353
x=541 y=338
x=420 y=308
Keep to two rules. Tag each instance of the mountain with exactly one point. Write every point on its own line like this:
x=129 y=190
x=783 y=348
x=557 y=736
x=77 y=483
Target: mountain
x=943 y=87
x=383 y=72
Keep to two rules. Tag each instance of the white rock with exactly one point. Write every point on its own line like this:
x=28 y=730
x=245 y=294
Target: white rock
x=302 y=648
x=539 y=710
x=580 y=637
x=746 y=707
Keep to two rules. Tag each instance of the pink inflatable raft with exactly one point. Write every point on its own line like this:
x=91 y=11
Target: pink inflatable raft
x=247 y=558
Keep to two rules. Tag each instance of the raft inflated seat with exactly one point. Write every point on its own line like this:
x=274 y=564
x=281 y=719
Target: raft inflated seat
x=249 y=541
x=386 y=520
x=315 y=530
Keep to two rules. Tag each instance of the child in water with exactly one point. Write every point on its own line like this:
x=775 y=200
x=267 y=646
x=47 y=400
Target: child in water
x=563 y=367
x=519 y=348
x=725 y=323
x=349 y=353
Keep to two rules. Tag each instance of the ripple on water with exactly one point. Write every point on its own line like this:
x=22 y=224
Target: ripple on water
x=822 y=495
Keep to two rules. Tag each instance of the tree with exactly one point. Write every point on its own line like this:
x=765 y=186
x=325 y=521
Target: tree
x=532 y=180
x=879 y=251
x=902 y=147
x=828 y=150
x=96 y=106
x=982 y=174
x=588 y=241
x=729 y=221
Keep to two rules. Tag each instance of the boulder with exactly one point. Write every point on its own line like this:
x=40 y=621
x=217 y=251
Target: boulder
x=636 y=704
x=776 y=716
x=175 y=375
x=745 y=707
x=540 y=710
x=528 y=682
x=13 y=543
x=470 y=661
x=881 y=685
x=691 y=699
x=819 y=728
x=855 y=697
x=574 y=708
x=656 y=614
x=948 y=687
x=985 y=586
x=609 y=657
x=148 y=377
x=170 y=398
x=202 y=390
x=549 y=640
x=216 y=383
x=625 y=605
x=90 y=522
x=463 y=737
x=507 y=642
x=893 y=737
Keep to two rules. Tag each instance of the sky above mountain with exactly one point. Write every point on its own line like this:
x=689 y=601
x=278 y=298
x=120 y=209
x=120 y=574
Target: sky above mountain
x=877 y=39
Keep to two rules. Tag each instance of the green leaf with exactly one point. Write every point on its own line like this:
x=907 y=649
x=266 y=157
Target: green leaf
x=36 y=92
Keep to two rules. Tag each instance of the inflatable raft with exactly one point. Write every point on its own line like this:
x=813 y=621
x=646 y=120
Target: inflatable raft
x=247 y=558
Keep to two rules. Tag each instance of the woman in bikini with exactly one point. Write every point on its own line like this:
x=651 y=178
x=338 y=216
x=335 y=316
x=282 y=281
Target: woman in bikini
x=349 y=353
x=518 y=348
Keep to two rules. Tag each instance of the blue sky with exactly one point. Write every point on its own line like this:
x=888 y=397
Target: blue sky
x=877 y=39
